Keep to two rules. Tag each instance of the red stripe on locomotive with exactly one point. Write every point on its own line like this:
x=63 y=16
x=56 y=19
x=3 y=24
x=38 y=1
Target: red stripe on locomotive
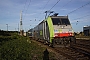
x=63 y=34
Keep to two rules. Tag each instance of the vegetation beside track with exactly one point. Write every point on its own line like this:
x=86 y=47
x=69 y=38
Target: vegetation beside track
x=16 y=47
x=81 y=35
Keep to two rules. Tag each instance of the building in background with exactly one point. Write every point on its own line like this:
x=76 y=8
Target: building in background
x=86 y=30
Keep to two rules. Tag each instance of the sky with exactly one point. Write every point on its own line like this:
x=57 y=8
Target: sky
x=33 y=12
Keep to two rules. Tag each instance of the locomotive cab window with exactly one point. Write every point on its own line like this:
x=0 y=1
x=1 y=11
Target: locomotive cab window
x=65 y=22
x=56 y=21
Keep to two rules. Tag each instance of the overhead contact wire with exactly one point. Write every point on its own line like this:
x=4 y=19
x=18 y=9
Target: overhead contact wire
x=45 y=6
x=81 y=17
x=24 y=5
x=54 y=5
x=66 y=3
x=78 y=8
x=27 y=7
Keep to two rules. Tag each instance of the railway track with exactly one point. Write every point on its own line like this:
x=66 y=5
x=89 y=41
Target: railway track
x=72 y=53
x=85 y=49
x=75 y=52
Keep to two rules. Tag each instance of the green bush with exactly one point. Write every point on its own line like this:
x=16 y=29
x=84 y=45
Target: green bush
x=19 y=49
x=15 y=47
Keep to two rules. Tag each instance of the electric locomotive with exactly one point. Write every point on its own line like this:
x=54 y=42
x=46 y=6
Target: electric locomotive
x=55 y=31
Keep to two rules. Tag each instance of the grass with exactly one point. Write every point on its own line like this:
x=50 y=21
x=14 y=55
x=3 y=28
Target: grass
x=17 y=48
x=80 y=36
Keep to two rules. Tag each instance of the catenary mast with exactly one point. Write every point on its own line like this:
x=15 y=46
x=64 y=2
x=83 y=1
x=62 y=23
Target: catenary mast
x=21 y=29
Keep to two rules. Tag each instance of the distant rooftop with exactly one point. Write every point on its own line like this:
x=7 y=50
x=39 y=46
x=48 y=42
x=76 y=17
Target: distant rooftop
x=86 y=26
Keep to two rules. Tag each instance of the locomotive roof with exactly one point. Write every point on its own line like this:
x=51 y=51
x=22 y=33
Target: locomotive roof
x=54 y=17
x=59 y=16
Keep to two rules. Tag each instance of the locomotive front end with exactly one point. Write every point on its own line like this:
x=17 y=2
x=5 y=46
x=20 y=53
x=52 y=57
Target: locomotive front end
x=63 y=32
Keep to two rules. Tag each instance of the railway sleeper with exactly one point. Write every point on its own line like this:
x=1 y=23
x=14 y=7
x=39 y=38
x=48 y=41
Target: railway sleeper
x=77 y=55
x=82 y=58
x=72 y=54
